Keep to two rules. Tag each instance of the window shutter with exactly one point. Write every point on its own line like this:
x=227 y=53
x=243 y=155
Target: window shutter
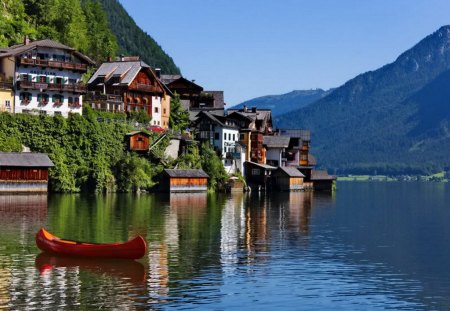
x=47 y=79
x=39 y=97
x=21 y=96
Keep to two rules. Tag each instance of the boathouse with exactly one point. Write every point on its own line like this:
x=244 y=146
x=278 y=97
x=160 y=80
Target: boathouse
x=287 y=178
x=137 y=141
x=173 y=180
x=258 y=175
x=322 y=181
x=24 y=172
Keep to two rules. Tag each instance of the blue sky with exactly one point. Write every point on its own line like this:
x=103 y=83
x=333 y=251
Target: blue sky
x=251 y=48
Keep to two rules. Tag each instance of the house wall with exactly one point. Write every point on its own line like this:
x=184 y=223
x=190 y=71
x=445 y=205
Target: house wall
x=7 y=68
x=165 y=114
x=23 y=179
x=286 y=183
x=274 y=154
x=6 y=100
x=139 y=142
x=51 y=74
x=245 y=139
x=188 y=184
x=156 y=111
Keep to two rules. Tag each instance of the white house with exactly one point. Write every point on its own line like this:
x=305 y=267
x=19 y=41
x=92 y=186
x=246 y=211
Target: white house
x=224 y=137
x=46 y=77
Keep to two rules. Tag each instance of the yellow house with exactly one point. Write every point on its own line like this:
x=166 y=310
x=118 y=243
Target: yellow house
x=165 y=113
x=6 y=97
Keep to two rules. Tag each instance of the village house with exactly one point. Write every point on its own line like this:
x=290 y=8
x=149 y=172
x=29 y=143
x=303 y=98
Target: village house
x=223 y=136
x=258 y=176
x=275 y=149
x=130 y=85
x=286 y=178
x=24 y=172
x=192 y=96
x=254 y=124
x=46 y=77
x=173 y=180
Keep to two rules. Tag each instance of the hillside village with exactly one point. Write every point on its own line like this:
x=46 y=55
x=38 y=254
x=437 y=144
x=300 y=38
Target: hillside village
x=45 y=77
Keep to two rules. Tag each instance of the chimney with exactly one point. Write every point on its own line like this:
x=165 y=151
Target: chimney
x=254 y=109
x=245 y=108
x=122 y=57
x=109 y=59
x=158 y=72
x=26 y=40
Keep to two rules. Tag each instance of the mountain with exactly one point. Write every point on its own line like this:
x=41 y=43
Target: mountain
x=284 y=103
x=393 y=120
x=97 y=28
x=132 y=40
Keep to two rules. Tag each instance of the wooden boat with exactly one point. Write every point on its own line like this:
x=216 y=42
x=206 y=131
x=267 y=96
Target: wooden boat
x=133 y=249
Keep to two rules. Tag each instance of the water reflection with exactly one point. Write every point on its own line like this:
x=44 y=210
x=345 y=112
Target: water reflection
x=123 y=269
x=231 y=251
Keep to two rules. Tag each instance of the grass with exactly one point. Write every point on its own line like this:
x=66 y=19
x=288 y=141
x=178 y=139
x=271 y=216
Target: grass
x=439 y=177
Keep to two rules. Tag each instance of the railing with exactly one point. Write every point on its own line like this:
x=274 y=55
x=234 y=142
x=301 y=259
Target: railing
x=72 y=87
x=109 y=98
x=53 y=64
x=6 y=85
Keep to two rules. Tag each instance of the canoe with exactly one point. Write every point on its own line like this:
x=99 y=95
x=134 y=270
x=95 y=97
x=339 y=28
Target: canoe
x=133 y=249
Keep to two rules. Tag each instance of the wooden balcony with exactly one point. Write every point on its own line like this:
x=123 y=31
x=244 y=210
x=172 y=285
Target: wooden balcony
x=52 y=64
x=73 y=87
x=6 y=85
x=144 y=88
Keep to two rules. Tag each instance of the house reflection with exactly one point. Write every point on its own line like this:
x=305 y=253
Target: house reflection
x=19 y=209
x=299 y=205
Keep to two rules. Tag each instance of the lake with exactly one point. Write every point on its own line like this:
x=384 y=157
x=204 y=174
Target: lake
x=368 y=246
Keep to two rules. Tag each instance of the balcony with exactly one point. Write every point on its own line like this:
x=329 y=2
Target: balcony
x=73 y=87
x=144 y=88
x=52 y=64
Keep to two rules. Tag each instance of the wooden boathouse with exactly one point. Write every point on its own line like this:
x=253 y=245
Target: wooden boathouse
x=137 y=141
x=173 y=180
x=24 y=172
x=286 y=178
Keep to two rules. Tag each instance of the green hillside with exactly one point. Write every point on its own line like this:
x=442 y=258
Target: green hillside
x=132 y=40
x=393 y=120
x=98 y=28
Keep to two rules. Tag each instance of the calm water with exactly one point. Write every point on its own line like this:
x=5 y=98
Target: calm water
x=370 y=246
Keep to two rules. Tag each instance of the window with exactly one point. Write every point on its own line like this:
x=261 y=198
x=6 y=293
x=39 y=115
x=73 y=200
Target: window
x=233 y=137
x=156 y=109
x=159 y=123
x=70 y=100
x=43 y=98
x=58 y=113
x=256 y=171
x=58 y=99
x=164 y=111
x=216 y=136
x=229 y=136
x=7 y=103
x=42 y=112
x=224 y=136
x=42 y=79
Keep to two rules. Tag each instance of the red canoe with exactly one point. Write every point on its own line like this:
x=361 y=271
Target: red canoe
x=133 y=249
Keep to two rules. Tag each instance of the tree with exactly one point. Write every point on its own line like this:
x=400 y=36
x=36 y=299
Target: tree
x=213 y=166
x=179 y=117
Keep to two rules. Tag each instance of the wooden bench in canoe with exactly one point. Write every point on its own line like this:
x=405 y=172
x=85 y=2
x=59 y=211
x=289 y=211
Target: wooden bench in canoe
x=133 y=249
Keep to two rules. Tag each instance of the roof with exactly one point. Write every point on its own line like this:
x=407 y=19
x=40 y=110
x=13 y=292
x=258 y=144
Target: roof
x=290 y=171
x=276 y=141
x=25 y=159
x=219 y=120
x=137 y=132
x=219 y=101
x=166 y=79
x=321 y=175
x=186 y=173
x=264 y=166
x=45 y=43
x=125 y=71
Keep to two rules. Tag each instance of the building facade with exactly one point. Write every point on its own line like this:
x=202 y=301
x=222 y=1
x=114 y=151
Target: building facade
x=134 y=86
x=46 y=77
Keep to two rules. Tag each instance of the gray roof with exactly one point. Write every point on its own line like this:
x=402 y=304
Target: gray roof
x=166 y=79
x=25 y=159
x=45 y=43
x=186 y=173
x=321 y=175
x=219 y=101
x=276 y=141
x=125 y=71
x=219 y=120
x=137 y=132
x=290 y=171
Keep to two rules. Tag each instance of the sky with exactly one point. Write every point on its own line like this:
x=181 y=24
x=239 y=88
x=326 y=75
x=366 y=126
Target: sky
x=252 y=48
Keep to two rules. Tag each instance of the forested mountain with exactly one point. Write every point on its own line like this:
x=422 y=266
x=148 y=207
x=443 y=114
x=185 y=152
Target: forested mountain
x=284 y=103
x=392 y=120
x=132 y=40
x=98 y=28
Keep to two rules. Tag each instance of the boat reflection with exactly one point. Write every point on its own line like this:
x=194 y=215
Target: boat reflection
x=127 y=270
